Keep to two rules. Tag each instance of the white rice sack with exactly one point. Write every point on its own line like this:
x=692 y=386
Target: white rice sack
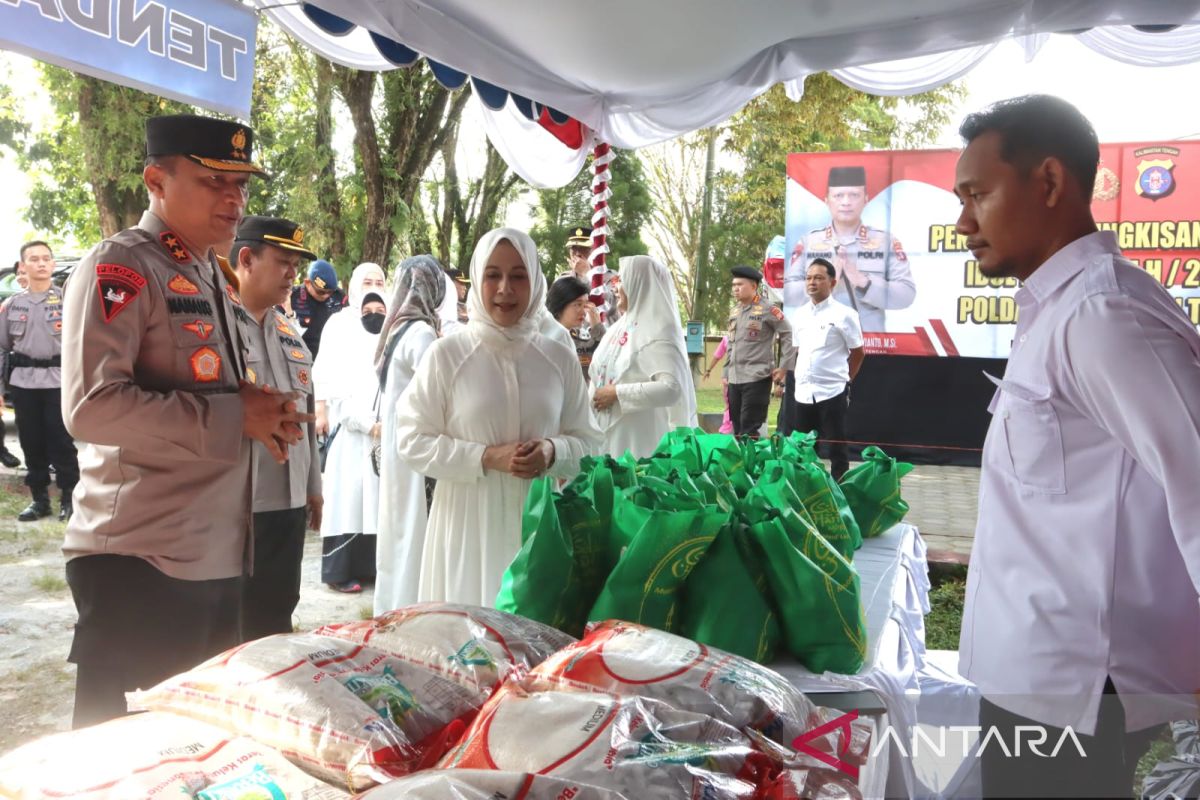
x=154 y=756
x=348 y=713
x=629 y=659
x=480 y=644
x=477 y=784
x=636 y=746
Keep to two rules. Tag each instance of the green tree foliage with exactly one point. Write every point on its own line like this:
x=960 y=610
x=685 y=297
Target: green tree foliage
x=559 y=210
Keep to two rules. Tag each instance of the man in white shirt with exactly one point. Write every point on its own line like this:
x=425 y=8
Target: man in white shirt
x=1081 y=606
x=829 y=352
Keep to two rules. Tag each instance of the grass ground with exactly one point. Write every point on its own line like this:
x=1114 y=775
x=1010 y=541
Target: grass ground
x=712 y=401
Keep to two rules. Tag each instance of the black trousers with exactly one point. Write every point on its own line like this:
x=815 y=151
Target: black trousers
x=785 y=422
x=44 y=439
x=1105 y=770
x=138 y=627
x=270 y=595
x=748 y=403
x=828 y=419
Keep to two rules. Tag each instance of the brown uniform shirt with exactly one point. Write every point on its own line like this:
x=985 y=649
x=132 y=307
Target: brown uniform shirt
x=278 y=356
x=753 y=330
x=31 y=325
x=150 y=366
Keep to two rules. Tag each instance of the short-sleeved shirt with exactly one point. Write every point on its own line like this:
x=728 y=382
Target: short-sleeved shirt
x=753 y=329
x=824 y=334
x=31 y=325
x=277 y=356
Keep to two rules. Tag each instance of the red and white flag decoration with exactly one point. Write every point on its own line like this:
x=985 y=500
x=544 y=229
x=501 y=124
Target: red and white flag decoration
x=602 y=156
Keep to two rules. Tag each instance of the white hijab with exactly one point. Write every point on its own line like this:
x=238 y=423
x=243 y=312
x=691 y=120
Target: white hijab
x=480 y=322
x=347 y=348
x=652 y=316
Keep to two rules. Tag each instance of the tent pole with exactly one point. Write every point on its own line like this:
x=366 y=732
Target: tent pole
x=602 y=156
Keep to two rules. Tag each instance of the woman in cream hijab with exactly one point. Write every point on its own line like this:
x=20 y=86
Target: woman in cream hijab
x=490 y=408
x=344 y=380
x=641 y=381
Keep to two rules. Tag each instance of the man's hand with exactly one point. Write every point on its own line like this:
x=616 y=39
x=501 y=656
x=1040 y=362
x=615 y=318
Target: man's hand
x=779 y=375
x=498 y=457
x=376 y=430
x=315 y=504
x=604 y=398
x=530 y=459
x=271 y=418
x=322 y=418
x=847 y=269
x=777 y=391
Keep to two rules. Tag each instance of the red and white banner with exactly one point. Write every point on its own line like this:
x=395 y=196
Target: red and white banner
x=917 y=288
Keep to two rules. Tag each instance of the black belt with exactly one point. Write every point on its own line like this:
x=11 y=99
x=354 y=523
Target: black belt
x=22 y=360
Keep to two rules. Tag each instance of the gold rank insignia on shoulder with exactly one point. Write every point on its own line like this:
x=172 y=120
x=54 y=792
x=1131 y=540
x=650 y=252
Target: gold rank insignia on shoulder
x=251 y=375
x=175 y=247
x=233 y=295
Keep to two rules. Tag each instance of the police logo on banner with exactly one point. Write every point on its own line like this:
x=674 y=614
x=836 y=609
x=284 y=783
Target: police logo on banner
x=1156 y=176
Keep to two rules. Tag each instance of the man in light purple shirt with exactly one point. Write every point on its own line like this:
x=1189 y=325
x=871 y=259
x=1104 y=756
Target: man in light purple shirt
x=1081 y=608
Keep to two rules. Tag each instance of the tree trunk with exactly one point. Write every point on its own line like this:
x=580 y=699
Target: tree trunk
x=327 y=186
x=118 y=208
x=358 y=89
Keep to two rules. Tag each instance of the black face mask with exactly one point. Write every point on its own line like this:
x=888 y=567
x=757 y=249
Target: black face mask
x=373 y=322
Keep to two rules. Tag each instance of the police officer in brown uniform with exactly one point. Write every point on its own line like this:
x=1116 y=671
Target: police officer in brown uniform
x=267 y=255
x=750 y=365
x=31 y=324
x=154 y=389
x=873 y=273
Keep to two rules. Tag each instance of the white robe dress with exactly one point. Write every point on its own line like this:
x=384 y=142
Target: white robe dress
x=344 y=376
x=471 y=392
x=646 y=392
x=402 y=514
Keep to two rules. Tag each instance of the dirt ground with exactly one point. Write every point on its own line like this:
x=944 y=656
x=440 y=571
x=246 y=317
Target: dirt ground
x=37 y=616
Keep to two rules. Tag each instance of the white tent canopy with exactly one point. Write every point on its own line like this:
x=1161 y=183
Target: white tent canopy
x=639 y=72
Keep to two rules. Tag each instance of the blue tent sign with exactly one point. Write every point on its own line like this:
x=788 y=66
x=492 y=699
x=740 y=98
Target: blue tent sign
x=196 y=51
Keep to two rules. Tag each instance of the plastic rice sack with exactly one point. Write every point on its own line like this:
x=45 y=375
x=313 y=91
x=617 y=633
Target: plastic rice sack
x=154 y=756
x=564 y=559
x=480 y=646
x=638 y=746
x=872 y=491
x=479 y=784
x=350 y=714
x=813 y=784
x=626 y=659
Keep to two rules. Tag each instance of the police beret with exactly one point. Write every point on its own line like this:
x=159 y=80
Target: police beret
x=275 y=231
x=847 y=176
x=580 y=237
x=213 y=143
x=749 y=273
x=323 y=275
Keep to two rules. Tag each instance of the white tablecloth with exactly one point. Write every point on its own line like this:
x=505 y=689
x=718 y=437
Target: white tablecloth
x=894 y=579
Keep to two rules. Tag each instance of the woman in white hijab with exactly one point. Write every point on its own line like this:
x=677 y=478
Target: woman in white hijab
x=491 y=408
x=412 y=325
x=641 y=381
x=344 y=379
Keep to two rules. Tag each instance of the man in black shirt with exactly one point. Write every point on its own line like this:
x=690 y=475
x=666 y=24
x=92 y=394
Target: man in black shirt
x=314 y=302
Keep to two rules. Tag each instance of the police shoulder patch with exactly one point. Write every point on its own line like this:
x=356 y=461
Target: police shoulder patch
x=119 y=286
x=776 y=313
x=898 y=250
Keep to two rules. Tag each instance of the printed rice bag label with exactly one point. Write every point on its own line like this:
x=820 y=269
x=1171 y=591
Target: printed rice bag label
x=347 y=712
x=155 y=756
x=475 y=644
x=640 y=747
x=474 y=784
